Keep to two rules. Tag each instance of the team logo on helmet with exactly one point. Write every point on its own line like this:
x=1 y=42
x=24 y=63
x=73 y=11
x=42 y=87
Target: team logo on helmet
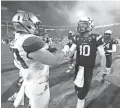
x=26 y=17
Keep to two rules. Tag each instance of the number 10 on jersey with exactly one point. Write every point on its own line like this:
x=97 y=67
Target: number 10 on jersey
x=84 y=50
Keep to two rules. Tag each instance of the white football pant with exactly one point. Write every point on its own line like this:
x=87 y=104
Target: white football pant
x=38 y=94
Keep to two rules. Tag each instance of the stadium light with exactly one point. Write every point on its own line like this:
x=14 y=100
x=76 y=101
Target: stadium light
x=80 y=13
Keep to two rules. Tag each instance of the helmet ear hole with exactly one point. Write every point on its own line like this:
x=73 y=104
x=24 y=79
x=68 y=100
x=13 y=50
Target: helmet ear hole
x=18 y=18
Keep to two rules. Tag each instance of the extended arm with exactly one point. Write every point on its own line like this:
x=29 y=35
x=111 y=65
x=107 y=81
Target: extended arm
x=36 y=50
x=48 y=58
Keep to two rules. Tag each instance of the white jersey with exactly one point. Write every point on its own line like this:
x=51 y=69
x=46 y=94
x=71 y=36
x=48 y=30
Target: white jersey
x=31 y=70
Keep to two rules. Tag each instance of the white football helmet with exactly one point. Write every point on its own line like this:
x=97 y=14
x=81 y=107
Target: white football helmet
x=107 y=34
x=26 y=22
x=85 y=24
x=70 y=34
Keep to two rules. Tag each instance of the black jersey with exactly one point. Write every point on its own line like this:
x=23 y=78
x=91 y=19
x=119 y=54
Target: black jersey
x=87 y=48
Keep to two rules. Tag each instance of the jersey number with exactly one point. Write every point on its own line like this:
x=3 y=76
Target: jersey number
x=23 y=64
x=85 y=50
x=107 y=45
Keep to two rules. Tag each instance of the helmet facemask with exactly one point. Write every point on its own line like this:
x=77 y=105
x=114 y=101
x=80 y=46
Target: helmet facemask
x=107 y=34
x=85 y=25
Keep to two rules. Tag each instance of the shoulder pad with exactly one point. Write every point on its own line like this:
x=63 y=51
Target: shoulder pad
x=96 y=36
x=32 y=44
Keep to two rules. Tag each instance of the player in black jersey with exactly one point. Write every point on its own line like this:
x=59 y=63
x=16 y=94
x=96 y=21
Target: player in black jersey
x=110 y=47
x=86 y=46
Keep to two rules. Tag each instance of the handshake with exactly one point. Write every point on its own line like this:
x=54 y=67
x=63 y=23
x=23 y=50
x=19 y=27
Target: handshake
x=69 y=51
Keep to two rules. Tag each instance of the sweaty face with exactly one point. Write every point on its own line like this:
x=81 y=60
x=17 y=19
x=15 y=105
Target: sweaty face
x=82 y=26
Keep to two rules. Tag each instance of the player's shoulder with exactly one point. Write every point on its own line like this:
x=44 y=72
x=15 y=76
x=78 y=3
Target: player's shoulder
x=114 y=41
x=32 y=43
x=95 y=35
x=32 y=40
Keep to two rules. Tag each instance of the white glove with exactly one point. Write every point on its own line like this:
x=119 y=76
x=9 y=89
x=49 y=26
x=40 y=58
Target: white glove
x=65 y=49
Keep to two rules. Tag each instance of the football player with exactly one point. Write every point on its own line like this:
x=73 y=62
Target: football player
x=47 y=40
x=71 y=38
x=86 y=46
x=48 y=43
x=110 y=47
x=18 y=66
x=30 y=52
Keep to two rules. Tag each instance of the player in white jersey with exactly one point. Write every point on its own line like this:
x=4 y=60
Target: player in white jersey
x=30 y=52
x=18 y=66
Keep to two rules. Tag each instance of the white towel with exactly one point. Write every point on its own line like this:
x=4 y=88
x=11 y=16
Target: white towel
x=20 y=96
x=79 y=81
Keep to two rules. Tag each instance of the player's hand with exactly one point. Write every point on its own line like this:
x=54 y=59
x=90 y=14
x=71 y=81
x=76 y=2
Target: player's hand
x=66 y=50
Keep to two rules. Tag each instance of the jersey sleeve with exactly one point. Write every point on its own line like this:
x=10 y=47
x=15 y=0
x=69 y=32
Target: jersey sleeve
x=115 y=41
x=99 y=40
x=32 y=44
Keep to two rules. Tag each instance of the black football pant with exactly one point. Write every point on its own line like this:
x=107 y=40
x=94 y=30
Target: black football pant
x=82 y=92
x=108 y=60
